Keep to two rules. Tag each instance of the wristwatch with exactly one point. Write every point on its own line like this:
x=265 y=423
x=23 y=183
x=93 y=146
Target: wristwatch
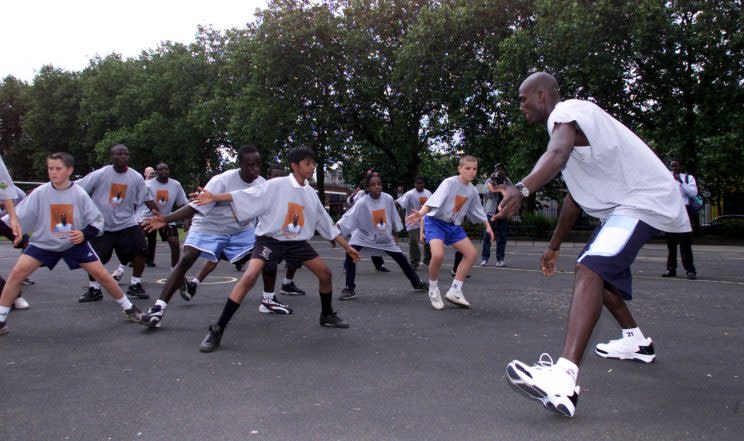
x=525 y=192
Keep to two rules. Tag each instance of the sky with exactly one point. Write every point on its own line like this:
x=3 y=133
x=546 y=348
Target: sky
x=67 y=34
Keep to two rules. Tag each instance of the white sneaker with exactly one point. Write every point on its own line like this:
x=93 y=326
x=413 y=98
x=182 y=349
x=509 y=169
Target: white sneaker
x=484 y=262
x=500 y=263
x=117 y=274
x=627 y=348
x=455 y=296
x=20 y=303
x=555 y=388
x=435 y=297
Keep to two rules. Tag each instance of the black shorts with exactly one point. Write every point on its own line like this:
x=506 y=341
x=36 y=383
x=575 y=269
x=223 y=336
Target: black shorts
x=272 y=251
x=127 y=243
x=164 y=232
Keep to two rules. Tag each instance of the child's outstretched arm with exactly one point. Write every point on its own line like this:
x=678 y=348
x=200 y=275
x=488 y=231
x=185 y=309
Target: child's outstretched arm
x=416 y=216
x=13 y=222
x=354 y=254
x=204 y=197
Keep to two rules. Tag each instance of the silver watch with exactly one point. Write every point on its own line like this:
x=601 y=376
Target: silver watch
x=522 y=189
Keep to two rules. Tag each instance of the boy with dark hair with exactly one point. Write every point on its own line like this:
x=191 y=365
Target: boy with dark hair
x=443 y=213
x=45 y=208
x=214 y=232
x=413 y=200
x=275 y=204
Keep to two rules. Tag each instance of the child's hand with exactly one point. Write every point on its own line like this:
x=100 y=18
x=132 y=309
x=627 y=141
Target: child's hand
x=201 y=196
x=422 y=239
x=490 y=234
x=153 y=223
x=354 y=254
x=75 y=236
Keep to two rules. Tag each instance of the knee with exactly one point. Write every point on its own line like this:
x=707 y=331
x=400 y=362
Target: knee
x=325 y=276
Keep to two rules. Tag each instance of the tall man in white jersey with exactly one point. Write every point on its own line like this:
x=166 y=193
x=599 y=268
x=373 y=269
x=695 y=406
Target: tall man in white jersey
x=612 y=175
x=117 y=191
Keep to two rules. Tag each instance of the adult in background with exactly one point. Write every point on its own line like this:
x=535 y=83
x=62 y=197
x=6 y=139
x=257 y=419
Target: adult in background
x=688 y=189
x=612 y=175
x=167 y=194
x=493 y=197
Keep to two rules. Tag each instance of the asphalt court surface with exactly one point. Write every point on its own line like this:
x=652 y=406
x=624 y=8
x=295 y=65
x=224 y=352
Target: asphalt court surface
x=403 y=371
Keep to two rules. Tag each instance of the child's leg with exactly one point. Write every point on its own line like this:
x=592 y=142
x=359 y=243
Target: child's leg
x=469 y=254
x=22 y=269
x=408 y=270
x=206 y=268
x=290 y=272
x=437 y=256
x=351 y=269
x=99 y=273
x=175 y=246
x=247 y=281
x=269 y=279
x=178 y=273
x=325 y=286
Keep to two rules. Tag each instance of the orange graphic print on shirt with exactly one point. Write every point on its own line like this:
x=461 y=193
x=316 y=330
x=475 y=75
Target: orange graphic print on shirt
x=379 y=218
x=117 y=194
x=294 y=220
x=161 y=197
x=61 y=218
x=423 y=199
x=459 y=202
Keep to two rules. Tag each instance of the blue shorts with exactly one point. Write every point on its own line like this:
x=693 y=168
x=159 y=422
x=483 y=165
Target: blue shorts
x=445 y=231
x=73 y=256
x=613 y=247
x=212 y=246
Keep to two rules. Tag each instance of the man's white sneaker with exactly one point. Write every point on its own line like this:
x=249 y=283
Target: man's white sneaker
x=500 y=263
x=455 y=296
x=435 y=297
x=555 y=388
x=117 y=274
x=20 y=303
x=627 y=348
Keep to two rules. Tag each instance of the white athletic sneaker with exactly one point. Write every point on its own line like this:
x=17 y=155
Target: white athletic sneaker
x=627 y=348
x=435 y=297
x=555 y=388
x=117 y=274
x=272 y=306
x=20 y=303
x=455 y=296
x=500 y=263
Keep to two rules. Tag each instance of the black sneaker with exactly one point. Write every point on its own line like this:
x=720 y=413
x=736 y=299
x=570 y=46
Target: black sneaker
x=212 y=340
x=691 y=275
x=133 y=314
x=28 y=281
x=453 y=274
x=382 y=269
x=290 y=289
x=332 y=321
x=91 y=295
x=669 y=273
x=3 y=328
x=347 y=294
x=135 y=291
x=153 y=317
x=190 y=291
x=238 y=266
x=422 y=286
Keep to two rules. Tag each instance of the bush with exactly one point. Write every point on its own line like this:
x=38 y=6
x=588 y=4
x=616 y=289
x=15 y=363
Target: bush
x=542 y=226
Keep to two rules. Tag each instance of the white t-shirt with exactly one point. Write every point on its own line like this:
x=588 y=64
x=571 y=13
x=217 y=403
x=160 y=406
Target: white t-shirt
x=618 y=173
x=219 y=218
x=165 y=195
x=453 y=200
x=285 y=210
x=7 y=190
x=117 y=195
x=413 y=200
x=371 y=223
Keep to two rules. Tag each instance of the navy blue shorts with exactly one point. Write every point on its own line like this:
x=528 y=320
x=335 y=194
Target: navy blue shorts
x=74 y=256
x=613 y=247
x=438 y=229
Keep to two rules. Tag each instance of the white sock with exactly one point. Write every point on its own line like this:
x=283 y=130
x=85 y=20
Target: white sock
x=135 y=280
x=124 y=302
x=268 y=295
x=121 y=268
x=94 y=285
x=457 y=285
x=433 y=283
x=195 y=281
x=4 y=310
x=568 y=366
x=161 y=303
x=634 y=333
x=286 y=281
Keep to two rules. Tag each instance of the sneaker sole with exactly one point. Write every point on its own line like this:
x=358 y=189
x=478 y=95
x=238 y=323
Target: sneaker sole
x=3 y=330
x=633 y=357
x=437 y=304
x=347 y=297
x=88 y=300
x=533 y=392
x=279 y=311
x=291 y=293
x=137 y=296
x=186 y=296
x=331 y=325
